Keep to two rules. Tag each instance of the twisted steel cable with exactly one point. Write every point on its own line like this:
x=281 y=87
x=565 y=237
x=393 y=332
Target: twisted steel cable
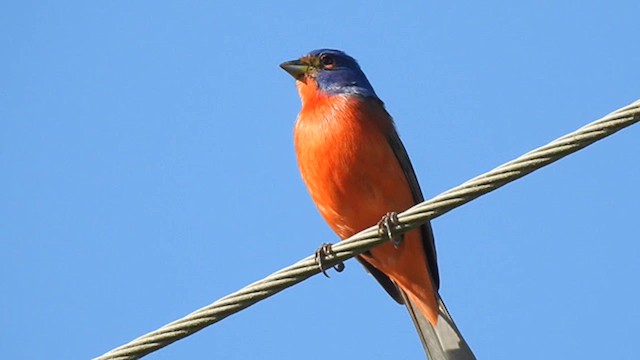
x=371 y=237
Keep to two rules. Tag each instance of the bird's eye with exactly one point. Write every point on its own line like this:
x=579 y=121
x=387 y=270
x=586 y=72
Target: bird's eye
x=327 y=61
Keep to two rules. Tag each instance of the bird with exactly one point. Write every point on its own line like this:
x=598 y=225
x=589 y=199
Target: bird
x=358 y=173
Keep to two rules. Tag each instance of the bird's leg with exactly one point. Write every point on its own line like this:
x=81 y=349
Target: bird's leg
x=386 y=225
x=322 y=253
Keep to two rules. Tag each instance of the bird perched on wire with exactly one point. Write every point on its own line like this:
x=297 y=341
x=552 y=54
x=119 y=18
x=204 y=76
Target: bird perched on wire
x=358 y=172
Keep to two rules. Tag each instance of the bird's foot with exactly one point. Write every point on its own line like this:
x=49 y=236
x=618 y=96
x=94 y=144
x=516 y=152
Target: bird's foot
x=386 y=227
x=322 y=253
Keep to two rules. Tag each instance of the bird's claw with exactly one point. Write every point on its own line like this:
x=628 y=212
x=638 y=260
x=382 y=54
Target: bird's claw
x=322 y=253
x=386 y=227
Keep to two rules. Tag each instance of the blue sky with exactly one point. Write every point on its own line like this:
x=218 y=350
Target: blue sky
x=148 y=169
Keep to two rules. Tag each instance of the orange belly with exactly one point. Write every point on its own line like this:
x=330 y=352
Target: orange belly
x=354 y=178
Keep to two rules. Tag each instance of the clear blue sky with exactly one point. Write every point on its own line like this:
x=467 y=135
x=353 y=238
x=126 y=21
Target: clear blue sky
x=148 y=169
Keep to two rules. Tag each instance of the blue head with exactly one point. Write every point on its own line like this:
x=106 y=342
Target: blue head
x=334 y=71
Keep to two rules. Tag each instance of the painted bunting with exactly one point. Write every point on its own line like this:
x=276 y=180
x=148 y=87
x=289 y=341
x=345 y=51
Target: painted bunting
x=358 y=172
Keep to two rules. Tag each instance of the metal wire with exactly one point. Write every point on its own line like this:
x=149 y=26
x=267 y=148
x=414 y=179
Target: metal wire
x=369 y=238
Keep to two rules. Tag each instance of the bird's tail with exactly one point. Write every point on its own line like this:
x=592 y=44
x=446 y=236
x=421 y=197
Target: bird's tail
x=444 y=341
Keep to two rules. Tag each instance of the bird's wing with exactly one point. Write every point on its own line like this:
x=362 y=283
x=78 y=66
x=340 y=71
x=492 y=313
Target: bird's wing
x=426 y=231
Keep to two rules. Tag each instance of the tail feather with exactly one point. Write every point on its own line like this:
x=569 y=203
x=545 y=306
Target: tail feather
x=444 y=341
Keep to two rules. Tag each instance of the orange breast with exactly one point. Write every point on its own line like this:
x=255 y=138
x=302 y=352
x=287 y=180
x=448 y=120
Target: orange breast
x=354 y=178
x=350 y=170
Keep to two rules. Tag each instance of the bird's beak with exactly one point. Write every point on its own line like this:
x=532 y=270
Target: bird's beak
x=295 y=68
